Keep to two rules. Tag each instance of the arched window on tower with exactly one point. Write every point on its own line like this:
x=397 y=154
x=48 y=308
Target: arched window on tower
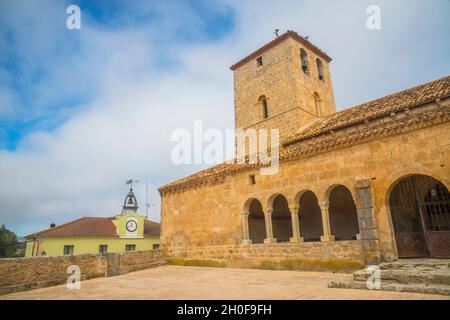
x=320 y=69
x=264 y=106
x=304 y=61
x=317 y=103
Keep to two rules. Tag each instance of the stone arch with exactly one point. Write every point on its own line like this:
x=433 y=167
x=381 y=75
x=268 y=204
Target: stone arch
x=317 y=103
x=320 y=69
x=309 y=215
x=390 y=250
x=304 y=61
x=281 y=217
x=419 y=208
x=256 y=222
x=264 y=106
x=342 y=211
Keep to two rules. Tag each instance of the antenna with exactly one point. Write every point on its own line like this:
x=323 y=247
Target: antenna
x=146 y=198
x=147 y=205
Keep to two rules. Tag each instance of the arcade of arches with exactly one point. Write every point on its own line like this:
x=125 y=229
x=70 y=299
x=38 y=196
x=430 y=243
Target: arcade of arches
x=303 y=220
x=419 y=207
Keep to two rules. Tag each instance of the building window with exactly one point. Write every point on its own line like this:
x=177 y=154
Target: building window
x=320 y=69
x=103 y=249
x=304 y=61
x=252 y=179
x=68 y=250
x=259 y=61
x=130 y=247
x=155 y=246
x=317 y=103
x=265 y=108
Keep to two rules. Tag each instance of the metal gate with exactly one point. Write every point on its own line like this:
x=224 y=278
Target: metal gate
x=420 y=209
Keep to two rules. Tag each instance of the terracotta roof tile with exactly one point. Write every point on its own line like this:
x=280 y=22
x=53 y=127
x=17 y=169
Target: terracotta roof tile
x=313 y=139
x=373 y=109
x=151 y=229
x=92 y=227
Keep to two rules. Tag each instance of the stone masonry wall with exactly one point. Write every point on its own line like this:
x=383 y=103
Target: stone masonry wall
x=139 y=260
x=20 y=274
x=233 y=254
x=210 y=214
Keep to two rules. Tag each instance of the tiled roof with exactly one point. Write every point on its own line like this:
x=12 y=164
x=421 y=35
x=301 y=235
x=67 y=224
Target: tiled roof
x=92 y=227
x=373 y=109
x=151 y=229
x=277 y=40
x=302 y=143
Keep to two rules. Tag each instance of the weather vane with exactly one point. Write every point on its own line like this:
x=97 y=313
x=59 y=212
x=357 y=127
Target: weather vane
x=130 y=181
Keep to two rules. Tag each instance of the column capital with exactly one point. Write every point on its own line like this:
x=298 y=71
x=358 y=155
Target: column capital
x=294 y=208
x=324 y=204
x=245 y=214
x=268 y=211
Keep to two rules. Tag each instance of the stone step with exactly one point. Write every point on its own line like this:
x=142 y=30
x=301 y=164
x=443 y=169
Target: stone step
x=405 y=264
x=402 y=276
x=394 y=286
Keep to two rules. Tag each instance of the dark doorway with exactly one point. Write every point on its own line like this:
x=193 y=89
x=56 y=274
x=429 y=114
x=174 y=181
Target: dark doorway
x=281 y=219
x=310 y=217
x=420 y=209
x=256 y=223
x=343 y=215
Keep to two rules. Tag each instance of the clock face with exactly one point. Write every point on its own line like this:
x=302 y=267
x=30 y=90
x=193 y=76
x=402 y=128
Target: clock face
x=131 y=226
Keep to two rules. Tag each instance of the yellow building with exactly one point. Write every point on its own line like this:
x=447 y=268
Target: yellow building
x=127 y=231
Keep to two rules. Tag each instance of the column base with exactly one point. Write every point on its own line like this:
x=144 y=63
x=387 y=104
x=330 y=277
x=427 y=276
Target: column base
x=327 y=238
x=358 y=236
x=246 y=242
x=270 y=240
x=296 y=239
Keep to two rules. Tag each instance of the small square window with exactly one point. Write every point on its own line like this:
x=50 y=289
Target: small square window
x=103 y=249
x=68 y=250
x=130 y=247
x=156 y=246
x=259 y=61
x=252 y=179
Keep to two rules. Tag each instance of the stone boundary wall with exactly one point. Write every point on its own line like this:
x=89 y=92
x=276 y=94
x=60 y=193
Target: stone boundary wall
x=19 y=274
x=139 y=260
x=248 y=255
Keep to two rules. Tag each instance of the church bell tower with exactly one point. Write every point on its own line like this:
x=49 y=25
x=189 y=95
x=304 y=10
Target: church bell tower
x=284 y=85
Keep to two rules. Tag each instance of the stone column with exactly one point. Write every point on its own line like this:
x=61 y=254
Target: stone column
x=295 y=224
x=245 y=231
x=327 y=236
x=269 y=229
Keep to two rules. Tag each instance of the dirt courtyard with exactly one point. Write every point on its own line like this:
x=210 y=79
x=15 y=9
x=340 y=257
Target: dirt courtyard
x=175 y=282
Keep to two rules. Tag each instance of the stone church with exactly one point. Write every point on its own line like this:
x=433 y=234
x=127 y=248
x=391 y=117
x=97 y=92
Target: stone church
x=368 y=184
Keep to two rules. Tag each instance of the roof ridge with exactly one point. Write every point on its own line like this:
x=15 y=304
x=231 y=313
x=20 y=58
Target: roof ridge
x=288 y=34
x=396 y=93
x=302 y=135
x=56 y=227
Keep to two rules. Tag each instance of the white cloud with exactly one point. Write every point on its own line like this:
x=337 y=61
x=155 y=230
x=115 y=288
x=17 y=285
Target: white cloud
x=77 y=169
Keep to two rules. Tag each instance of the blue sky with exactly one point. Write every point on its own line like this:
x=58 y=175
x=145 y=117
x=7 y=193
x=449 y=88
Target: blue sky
x=83 y=110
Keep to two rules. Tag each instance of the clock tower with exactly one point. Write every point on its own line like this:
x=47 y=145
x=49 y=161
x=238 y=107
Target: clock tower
x=129 y=223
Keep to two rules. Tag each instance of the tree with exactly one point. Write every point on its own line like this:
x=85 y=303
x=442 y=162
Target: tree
x=8 y=242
